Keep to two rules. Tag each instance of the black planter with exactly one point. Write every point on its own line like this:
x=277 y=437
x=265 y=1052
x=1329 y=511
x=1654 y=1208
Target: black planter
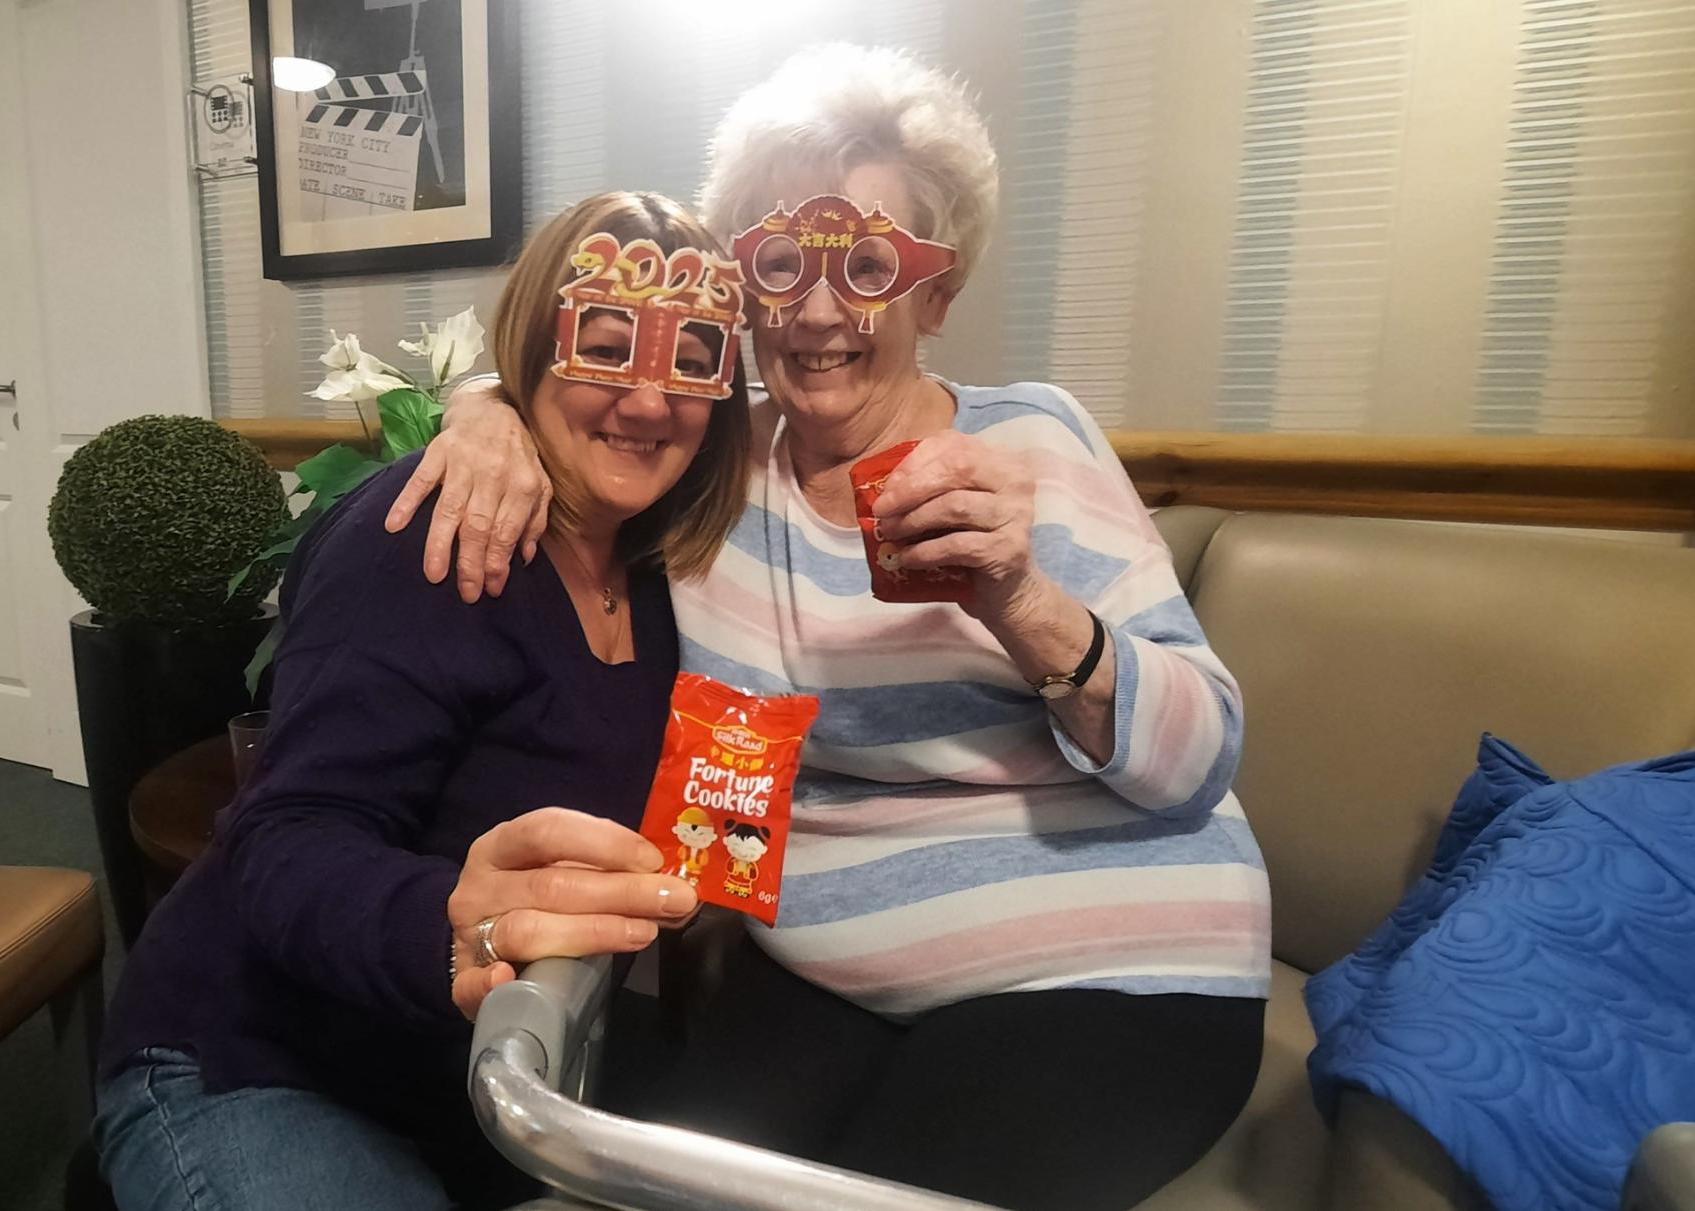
x=144 y=693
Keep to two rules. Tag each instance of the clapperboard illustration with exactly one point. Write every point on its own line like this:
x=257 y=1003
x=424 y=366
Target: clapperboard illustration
x=363 y=137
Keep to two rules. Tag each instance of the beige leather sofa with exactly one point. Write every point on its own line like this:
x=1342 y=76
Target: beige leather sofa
x=1371 y=655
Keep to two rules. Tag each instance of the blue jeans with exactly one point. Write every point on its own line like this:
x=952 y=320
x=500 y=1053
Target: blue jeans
x=167 y=1145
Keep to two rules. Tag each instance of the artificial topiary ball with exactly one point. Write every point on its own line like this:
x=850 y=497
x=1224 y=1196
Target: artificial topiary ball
x=153 y=517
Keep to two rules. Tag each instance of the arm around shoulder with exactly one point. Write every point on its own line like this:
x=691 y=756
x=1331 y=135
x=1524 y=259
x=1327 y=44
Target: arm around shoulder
x=495 y=494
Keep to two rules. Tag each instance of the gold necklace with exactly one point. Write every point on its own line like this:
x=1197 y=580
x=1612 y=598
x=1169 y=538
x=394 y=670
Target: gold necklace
x=608 y=600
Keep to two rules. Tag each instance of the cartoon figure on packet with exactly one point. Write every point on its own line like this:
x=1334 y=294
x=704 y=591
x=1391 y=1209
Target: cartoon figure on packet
x=747 y=844
x=888 y=558
x=694 y=830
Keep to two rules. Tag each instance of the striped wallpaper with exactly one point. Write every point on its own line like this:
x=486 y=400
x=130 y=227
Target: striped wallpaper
x=1309 y=251
x=1390 y=216
x=1599 y=165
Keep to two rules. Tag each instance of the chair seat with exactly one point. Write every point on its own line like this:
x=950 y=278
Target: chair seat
x=1273 y=1156
x=50 y=932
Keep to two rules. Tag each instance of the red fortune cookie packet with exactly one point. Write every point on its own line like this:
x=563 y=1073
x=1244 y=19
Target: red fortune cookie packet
x=721 y=798
x=890 y=581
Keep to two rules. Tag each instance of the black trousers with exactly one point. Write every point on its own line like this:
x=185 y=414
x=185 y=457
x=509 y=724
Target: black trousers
x=1066 y=1100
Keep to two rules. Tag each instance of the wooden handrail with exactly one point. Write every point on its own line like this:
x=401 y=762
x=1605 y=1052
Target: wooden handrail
x=1611 y=483
x=288 y=443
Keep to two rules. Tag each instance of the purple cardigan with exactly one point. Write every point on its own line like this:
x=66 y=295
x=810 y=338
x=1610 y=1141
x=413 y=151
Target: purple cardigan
x=309 y=946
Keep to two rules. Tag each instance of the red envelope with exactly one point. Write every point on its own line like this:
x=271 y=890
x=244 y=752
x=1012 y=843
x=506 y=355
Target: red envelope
x=889 y=581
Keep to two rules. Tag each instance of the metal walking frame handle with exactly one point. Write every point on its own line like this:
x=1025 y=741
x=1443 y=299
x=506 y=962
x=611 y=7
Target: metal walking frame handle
x=541 y=1032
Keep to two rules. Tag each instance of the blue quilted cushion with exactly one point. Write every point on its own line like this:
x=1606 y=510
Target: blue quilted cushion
x=1532 y=1001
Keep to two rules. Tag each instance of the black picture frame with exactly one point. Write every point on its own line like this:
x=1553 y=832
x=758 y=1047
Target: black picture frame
x=380 y=242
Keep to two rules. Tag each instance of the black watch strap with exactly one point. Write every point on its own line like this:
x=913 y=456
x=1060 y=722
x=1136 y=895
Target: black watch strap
x=1063 y=685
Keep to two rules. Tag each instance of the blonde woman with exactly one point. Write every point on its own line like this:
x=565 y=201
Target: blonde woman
x=444 y=792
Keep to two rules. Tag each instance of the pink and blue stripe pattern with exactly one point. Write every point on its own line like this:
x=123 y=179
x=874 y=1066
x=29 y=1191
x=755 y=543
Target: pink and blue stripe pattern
x=949 y=841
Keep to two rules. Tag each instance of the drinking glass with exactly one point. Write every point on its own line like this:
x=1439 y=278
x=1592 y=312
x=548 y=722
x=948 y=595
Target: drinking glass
x=247 y=742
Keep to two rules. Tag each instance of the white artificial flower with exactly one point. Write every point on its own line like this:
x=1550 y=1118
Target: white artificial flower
x=420 y=348
x=354 y=374
x=344 y=352
x=457 y=346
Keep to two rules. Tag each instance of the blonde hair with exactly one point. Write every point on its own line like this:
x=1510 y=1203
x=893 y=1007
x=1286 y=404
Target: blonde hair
x=831 y=108
x=684 y=529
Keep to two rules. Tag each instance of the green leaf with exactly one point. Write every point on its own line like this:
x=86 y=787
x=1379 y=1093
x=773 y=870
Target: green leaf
x=411 y=419
x=330 y=467
x=328 y=475
x=337 y=477
x=283 y=546
x=285 y=539
x=262 y=656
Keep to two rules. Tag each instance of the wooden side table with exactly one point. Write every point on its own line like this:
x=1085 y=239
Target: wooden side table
x=172 y=808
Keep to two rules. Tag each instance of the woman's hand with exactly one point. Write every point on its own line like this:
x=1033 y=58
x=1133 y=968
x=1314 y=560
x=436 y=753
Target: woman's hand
x=557 y=883
x=956 y=501
x=959 y=502
x=494 y=492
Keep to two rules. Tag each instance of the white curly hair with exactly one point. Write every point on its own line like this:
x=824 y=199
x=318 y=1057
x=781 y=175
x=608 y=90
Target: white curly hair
x=829 y=109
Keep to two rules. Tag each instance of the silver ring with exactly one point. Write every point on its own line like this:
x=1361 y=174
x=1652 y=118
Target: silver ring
x=486 y=955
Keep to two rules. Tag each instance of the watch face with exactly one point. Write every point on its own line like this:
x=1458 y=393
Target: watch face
x=1056 y=689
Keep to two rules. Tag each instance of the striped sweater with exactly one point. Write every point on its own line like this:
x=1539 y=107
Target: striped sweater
x=949 y=841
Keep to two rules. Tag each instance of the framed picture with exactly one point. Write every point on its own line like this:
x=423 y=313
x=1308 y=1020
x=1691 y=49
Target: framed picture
x=388 y=134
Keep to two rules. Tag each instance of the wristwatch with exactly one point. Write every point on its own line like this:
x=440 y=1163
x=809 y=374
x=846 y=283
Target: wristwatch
x=1063 y=685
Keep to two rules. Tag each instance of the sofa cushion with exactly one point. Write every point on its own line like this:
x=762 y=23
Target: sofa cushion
x=1372 y=654
x=1278 y=1156
x=1380 y=1158
x=1187 y=529
x=1273 y=1157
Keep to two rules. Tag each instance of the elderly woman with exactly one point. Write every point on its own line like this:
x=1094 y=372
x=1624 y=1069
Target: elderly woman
x=290 y=1031
x=1023 y=940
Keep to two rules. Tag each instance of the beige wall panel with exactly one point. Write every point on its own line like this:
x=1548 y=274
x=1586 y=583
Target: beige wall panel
x=1672 y=411
x=975 y=41
x=1462 y=64
x=1189 y=210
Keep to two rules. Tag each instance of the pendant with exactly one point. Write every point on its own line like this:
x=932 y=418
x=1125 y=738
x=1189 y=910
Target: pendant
x=608 y=602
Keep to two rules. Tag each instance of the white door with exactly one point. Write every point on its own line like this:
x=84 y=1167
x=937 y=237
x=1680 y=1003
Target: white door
x=100 y=312
x=24 y=708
